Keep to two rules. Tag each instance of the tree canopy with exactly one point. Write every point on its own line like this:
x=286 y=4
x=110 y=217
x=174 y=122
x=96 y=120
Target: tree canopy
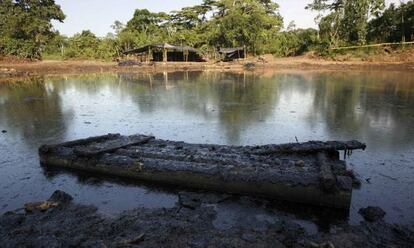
x=213 y=23
x=394 y=24
x=25 y=26
x=346 y=21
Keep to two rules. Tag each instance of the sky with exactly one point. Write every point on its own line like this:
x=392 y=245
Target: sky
x=99 y=15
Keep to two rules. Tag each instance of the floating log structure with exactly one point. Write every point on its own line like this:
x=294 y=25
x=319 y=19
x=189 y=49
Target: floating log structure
x=309 y=173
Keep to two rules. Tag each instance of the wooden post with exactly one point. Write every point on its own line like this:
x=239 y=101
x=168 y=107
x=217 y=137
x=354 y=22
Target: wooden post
x=165 y=55
x=149 y=54
x=245 y=52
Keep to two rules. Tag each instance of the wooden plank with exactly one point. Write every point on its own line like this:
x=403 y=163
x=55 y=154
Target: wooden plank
x=111 y=145
x=80 y=142
x=326 y=177
x=309 y=147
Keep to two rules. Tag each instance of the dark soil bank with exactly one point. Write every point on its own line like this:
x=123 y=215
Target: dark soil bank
x=190 y=223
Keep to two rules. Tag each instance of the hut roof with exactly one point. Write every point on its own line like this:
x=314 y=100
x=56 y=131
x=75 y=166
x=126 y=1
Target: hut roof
x=162 y=46
x=230 y=50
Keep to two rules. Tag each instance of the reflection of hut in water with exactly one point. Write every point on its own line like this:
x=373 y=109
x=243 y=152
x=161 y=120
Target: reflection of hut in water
x=166 y=52
x=233 y=53
x=169 y=80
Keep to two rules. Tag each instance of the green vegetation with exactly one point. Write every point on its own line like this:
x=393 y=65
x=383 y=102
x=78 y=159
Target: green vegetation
x=394 y=24
x=25 y=26
x=26 y=29
x=347 y=21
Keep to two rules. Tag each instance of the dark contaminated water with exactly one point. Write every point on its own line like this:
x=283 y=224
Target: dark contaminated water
x=211 y=107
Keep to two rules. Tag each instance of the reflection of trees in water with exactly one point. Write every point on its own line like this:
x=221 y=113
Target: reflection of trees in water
x=155 y=91
x=369 y=105
x=32 y=110
x=88 y=84
x=241 y=100
x=237 y=100
x=335 y=101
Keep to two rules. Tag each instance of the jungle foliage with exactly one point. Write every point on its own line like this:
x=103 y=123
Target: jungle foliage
x=346 y=21
x=25 y=26
x=394 y=24
x=357 y=22
x=26 y=29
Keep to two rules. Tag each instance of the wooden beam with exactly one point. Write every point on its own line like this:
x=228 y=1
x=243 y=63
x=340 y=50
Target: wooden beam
x=165 y=55
x=310 y=147
x=111 y=145
x=149 y=54
x=326 y=176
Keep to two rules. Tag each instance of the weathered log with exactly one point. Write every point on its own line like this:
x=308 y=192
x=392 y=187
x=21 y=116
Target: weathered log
x=296 y=174
x=110 y=145
x=326 y=176
x=310 y=147
x=45 y=148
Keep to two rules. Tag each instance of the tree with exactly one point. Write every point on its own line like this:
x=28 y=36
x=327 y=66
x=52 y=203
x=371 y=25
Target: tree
x=395 y=24
x=82 y=45
x=347 y=21
x=146 y=22
x=292 y=42
x=248 y=22
x=118 y=27
x=56 y=46
x=214 y=23
x=25 y=26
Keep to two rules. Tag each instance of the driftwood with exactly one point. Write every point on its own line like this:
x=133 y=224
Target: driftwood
x=308 y=172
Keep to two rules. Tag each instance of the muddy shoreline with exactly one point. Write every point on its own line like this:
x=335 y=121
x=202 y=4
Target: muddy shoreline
x=15 y=69
x=193 y=222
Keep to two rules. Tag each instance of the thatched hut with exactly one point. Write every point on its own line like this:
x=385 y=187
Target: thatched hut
x=232 y=53
x=166 y=52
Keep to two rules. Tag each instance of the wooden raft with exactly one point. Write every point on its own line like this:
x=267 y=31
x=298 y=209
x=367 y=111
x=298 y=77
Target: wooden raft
x=310 y=173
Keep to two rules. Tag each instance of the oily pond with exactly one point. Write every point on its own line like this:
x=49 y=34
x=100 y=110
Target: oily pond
x=228 y=108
